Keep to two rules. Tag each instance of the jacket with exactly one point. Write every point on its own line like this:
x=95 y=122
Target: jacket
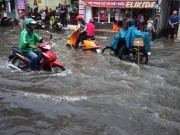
x=129 y=37
x=28 y=38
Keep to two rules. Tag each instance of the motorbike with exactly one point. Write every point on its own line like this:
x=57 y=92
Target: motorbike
x=40 y=24
x=46 y=57
x=7 y=21
x=57 y=24
x=89 y=44
x=122 y=52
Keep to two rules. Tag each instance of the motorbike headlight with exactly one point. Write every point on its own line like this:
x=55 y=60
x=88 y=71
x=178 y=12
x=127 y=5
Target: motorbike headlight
x=47 y=47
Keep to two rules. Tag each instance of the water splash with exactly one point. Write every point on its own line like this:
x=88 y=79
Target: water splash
x=56 y=99
x=11 y=66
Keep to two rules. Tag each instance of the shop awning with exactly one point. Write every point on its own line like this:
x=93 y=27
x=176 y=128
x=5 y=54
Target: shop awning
x=122 y=3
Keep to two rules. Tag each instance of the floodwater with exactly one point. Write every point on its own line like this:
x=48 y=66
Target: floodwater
x=96 y=95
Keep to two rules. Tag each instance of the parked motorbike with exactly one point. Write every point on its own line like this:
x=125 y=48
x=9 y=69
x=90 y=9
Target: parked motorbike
x=46 y=57
x=40 y=24
x=122 y=52
x=89 y=44
x=57 y=24
x=7 y=21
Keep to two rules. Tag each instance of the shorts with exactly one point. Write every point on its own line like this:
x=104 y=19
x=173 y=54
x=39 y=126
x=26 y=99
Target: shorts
x=172 y=30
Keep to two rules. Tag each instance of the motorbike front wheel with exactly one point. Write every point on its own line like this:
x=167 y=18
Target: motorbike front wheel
x=108 y=50
x=122 y=50
x=57 y=69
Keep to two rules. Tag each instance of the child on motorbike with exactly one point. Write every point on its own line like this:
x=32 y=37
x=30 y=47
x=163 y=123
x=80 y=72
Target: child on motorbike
x=28 y=42
x=81 y=27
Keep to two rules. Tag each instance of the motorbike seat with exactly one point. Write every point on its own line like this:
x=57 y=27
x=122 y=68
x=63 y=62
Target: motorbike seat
x=91 y=38
x=17 y=50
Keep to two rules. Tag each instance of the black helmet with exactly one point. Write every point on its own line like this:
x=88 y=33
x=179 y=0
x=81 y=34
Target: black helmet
x=130 y=22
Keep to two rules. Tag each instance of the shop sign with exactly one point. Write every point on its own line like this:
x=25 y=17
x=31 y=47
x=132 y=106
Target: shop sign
x=81 y=8
x=121 y=0
x=140 y=4
x=21 y=4
x=106 y=4
x=122 y=4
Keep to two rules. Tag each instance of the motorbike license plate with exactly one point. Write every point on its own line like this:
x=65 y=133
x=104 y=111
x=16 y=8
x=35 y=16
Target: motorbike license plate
x=98 y=50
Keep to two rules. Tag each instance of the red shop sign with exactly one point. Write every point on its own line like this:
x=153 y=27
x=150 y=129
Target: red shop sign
x=121 y=4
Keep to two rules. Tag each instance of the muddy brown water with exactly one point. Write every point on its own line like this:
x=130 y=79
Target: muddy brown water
x=96 y=95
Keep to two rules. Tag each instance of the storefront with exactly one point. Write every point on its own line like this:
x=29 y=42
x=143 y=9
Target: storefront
x=8 y=5
x=107 y=13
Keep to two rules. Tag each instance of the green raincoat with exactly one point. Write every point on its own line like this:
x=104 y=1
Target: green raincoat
x=27 y=39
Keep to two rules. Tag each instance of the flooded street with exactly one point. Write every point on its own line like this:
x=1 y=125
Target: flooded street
x=96 y=95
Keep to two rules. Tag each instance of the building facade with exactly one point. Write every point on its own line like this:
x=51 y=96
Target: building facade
x=48 y=3
x=106 y=13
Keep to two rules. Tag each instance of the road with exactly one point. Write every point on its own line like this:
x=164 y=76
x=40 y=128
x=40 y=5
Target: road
x=97 y=95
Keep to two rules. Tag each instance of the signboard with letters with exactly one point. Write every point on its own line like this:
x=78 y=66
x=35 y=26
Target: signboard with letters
x=21 y=4
x=81 y=8
x=130 y=4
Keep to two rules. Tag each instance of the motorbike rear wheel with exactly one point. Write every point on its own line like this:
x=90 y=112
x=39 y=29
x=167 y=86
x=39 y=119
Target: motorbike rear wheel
x=143 y=55
x=11 y=23
x=57 y=69
x=18 y=63
x=143 y=58
x=108 y=50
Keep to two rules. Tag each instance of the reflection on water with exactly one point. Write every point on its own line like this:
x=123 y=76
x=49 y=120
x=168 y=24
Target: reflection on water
x=96 y=95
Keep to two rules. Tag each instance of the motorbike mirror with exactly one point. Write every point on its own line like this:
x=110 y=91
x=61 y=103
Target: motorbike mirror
x=51 y=36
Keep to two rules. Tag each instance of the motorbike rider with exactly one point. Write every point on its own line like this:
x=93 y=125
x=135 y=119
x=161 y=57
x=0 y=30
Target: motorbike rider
x=90 y=28
x=128 y=34
x=129 y=21
x=4 y=19
x=81 y=27
x=28 y=42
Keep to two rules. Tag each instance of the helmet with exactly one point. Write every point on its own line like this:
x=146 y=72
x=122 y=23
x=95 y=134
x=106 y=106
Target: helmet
x=91 y=20
x=29 y=21
x=79 y=17
x=130 y=22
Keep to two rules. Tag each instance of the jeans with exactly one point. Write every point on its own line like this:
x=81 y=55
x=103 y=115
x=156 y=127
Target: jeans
x=33 y=59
